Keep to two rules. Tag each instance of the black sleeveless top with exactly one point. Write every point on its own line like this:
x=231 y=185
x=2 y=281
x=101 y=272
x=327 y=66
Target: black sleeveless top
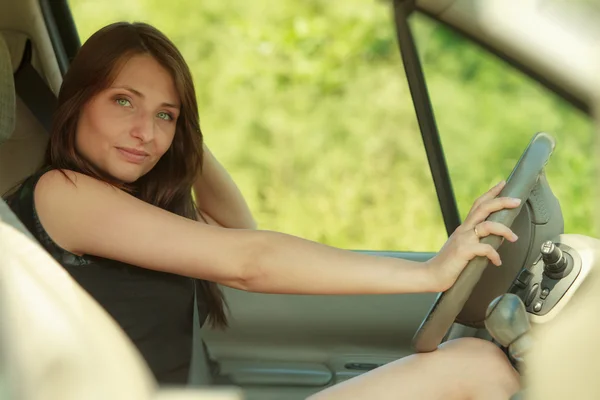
x=155 y=309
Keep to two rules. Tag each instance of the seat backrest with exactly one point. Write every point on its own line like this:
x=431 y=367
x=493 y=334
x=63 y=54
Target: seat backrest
x=23 y=140
x=8 y=112
x=7 y=93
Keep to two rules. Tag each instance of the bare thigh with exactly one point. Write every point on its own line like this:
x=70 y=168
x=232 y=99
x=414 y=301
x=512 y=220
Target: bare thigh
x=460 y=369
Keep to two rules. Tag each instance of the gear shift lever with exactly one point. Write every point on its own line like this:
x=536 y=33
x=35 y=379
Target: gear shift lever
x=508 y=323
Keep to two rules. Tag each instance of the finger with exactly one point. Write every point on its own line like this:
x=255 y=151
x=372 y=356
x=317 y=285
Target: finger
x=490 y=194
x=487 y=228
x=485 y=209
x=485 y=250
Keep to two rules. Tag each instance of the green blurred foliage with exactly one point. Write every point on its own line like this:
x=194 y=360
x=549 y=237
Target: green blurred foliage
x=307 y=106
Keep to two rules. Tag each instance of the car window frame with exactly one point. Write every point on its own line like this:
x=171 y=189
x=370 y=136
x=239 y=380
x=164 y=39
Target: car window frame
x=65 y=39
x=425 y=113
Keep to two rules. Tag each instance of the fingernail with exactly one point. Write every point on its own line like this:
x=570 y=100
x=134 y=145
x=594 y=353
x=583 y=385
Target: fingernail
x=500 y=183
x=516 y=201
x=515 y=237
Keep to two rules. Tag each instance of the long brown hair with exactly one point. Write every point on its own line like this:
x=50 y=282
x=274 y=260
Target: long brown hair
x=169 y=184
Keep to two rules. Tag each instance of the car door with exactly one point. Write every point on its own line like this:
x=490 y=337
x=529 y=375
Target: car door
x=308 y=108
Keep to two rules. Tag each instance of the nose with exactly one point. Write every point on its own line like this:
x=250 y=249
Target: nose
x=143 y=127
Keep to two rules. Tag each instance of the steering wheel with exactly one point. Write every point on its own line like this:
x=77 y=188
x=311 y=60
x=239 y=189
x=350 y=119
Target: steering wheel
x=448 y=304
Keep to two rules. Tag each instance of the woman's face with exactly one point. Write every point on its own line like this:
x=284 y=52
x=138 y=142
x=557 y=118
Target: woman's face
x=125 y=129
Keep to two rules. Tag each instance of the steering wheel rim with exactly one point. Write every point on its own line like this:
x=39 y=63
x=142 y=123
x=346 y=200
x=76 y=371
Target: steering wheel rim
x=448 y=304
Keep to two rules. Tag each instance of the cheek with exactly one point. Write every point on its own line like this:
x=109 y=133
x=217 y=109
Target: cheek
x=163 y=143
x=85 y=135
x=93 y=128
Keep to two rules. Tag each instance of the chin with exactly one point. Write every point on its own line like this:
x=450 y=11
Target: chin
x=127 y=176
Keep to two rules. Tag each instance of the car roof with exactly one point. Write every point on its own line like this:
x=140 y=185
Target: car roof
x=558 y=42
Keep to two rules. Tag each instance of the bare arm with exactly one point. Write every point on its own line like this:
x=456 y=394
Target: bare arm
x=218 y=196
x=94 y=218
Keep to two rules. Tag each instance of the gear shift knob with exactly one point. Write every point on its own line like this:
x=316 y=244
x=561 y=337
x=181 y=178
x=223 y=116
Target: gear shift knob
x=506 y=319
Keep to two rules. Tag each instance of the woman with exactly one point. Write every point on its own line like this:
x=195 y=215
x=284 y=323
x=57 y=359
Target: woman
x=113 y=204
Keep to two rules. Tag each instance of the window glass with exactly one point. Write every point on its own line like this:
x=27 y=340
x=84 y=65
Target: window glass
x=487 y=112
x=306 y=104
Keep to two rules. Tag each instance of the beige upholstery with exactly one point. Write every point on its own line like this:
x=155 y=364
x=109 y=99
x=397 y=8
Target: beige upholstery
x=7 y=93
x=565 y=359
x=7 y=122
x=67 y=347
x=21 y=148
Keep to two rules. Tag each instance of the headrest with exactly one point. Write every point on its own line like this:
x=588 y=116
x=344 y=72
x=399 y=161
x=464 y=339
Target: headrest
x=7 y=93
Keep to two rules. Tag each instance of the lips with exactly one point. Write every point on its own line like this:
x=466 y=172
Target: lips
x=133 y=155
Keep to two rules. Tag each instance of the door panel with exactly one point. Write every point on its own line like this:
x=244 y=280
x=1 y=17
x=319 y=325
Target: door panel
x=276 y=373
x=288 y=346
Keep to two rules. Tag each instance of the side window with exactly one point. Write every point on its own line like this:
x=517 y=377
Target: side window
x=487 y=112
x=306 y=105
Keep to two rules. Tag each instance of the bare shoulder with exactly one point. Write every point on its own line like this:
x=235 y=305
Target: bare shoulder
x=63 y=197
x=61 y=182
x=87 y=216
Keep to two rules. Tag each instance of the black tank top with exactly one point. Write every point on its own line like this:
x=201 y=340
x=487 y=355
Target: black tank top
x=155 y=309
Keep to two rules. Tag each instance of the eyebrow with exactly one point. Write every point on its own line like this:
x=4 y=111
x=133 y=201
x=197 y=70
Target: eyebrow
x=140 y=94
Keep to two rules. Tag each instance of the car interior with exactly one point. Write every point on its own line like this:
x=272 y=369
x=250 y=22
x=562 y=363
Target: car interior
x=56 y=342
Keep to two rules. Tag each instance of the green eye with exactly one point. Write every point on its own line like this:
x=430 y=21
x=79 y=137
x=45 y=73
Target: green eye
x=123 y=102
x=165 y=116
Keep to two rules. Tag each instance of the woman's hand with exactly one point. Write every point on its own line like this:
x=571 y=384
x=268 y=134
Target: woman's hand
x=463 y=245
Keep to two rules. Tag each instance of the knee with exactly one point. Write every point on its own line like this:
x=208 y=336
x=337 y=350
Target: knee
x=485 y=359
x=486 y=354
x=470 y=345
